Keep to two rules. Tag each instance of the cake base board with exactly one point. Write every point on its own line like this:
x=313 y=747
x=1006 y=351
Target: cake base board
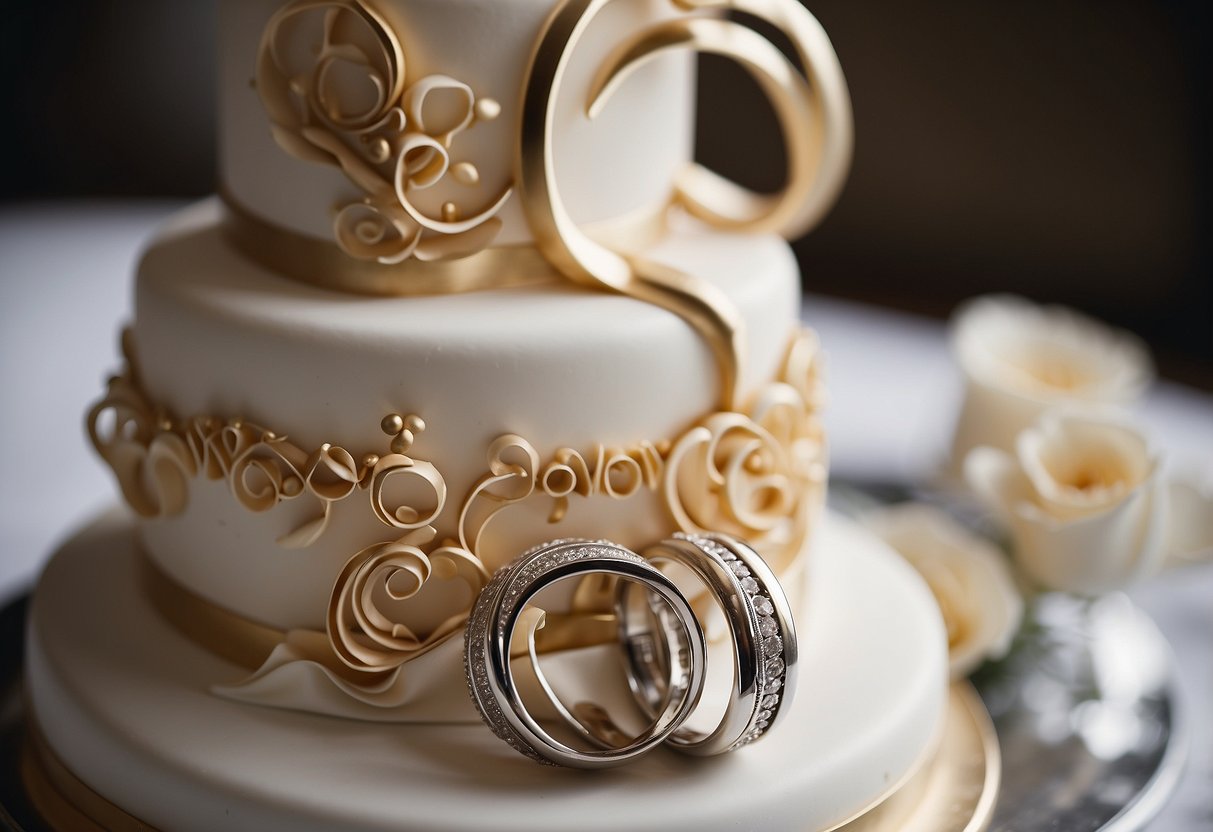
x=955 y=791
x=123 y=700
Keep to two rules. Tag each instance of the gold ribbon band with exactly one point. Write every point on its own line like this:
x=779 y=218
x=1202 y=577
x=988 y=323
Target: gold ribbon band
x=323 y=263
x=248 y=643
x=229 y=635
x=63 y=800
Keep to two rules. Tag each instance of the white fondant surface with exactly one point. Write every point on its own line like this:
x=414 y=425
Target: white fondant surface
x=561 y=366
x=622 y=161
x=124 y=701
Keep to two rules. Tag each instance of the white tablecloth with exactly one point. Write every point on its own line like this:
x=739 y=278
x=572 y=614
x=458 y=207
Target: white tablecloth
x=65 y=284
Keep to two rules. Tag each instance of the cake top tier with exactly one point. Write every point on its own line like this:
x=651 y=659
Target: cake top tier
x=336 y=110
x=431 y=129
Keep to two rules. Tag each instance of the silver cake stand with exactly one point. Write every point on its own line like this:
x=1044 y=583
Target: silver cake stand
x=1087 y=709
x=1086 y=712
x=1089 y=719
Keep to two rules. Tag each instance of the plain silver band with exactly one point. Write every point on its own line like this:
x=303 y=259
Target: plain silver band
x=764 y=640
x=487 y=653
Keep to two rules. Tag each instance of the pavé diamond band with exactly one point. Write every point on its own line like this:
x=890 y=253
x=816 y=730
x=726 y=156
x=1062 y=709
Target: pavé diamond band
x=494 y=684
x=763 y=636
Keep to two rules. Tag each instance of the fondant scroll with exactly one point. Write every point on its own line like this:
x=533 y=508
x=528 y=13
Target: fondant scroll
x=814 y=113
x=331 y=74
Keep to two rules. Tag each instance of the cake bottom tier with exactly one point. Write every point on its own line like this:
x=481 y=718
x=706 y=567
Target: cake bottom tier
x=122 y=700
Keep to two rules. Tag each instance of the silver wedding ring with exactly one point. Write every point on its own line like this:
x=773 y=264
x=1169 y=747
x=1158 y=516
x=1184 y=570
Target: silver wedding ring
x=759 y=620
x=493 y=684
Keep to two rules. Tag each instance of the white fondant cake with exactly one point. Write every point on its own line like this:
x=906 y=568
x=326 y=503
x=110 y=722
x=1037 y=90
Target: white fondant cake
x=445 y=309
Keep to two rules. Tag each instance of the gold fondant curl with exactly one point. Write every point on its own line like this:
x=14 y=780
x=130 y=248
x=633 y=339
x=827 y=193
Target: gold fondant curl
x=332 y=77
x=366 y=624
x=813 y=111
x=730 y=474
x=152 y=463
x=735 y=471
x=811 y=103
x=402 y=469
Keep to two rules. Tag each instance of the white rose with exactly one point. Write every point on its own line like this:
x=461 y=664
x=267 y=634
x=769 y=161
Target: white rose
x=1019 y=359
x=968 y=576
x=1082 y=498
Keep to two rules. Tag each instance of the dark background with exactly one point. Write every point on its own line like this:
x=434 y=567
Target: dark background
x=1056 y=149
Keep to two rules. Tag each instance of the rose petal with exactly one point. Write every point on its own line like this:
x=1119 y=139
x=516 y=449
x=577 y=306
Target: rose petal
x=1079 y=466
x=1190 y=530
x=1096 y=553
x=997 y=480
x=1019 y=359
x=970 y=579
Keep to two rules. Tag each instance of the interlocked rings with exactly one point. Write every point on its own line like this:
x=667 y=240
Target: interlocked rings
x=662 y=644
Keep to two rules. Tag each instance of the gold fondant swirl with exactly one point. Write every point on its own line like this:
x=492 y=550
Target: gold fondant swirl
x=331 y=74
x=730 y=474
x=367 y=622
x=814 y=112
x=152 y=463
x=403 y=515
x=750 y=467
x=811 y=104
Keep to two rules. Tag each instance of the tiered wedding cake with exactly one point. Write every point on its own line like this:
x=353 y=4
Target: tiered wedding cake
x=463 y=292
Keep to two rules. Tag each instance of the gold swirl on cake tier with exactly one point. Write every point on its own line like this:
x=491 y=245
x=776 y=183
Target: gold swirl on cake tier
x=758 y=474
x=391 y=139
x=814 y=114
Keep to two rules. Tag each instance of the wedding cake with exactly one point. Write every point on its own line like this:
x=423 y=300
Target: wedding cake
x=464 y=291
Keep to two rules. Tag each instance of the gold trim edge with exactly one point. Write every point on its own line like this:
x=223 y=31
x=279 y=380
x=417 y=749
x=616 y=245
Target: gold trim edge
x=323 y=264
x=954 y=788
x=62 y=800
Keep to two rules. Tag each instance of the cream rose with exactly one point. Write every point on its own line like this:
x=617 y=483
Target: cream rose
x=1082 y=498
x=1019 y=359
x=969 y=577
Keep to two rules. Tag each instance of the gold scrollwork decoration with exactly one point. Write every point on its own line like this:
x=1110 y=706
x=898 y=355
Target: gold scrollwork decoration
x=331 y=74
x=744 y=469
x=812 y=105
x=814 y=113
x=367 y=624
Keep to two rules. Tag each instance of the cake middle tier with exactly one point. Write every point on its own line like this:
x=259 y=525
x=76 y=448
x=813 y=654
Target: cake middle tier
x=279 y=429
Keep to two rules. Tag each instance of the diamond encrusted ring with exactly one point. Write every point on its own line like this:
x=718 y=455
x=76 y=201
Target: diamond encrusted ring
x=494 y=685
x=759 y=620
